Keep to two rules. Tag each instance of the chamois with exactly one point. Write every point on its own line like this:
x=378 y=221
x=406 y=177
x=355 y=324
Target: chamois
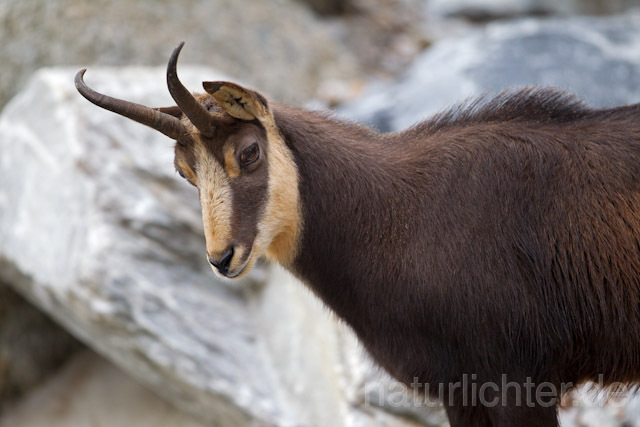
x=498 y=241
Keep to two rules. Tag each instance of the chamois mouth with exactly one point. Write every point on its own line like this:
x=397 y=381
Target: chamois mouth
x=234 y=275
x=241 y=269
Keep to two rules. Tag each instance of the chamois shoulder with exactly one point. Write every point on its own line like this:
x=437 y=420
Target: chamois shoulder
x=530 y=104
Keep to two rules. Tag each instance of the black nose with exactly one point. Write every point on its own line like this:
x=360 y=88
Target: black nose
x=222 y=264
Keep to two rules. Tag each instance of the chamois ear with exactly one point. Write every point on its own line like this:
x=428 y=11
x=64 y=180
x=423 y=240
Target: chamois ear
x=238 y=102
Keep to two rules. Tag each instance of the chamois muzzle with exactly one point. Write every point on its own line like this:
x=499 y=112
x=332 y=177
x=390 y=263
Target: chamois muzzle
x=158 y=120
x=197 y=114
x=223 y=263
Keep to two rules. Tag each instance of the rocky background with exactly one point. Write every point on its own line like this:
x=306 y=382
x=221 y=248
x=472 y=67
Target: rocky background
x=106 y=300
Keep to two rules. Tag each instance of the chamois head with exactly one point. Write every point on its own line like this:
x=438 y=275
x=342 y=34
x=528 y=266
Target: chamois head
x=228 y=146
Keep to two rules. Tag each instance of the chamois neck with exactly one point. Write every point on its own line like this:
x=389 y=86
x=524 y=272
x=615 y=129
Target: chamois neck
x=355 y=198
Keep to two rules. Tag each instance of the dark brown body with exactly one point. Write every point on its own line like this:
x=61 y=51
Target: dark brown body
x=503 y=239
x=495 y=245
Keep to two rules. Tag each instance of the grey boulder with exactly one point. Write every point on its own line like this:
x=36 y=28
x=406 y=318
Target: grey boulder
x=596 y=58
x=257 y=41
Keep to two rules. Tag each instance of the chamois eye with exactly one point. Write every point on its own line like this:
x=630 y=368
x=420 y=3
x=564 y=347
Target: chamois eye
x=182 y=174
x=250 y=154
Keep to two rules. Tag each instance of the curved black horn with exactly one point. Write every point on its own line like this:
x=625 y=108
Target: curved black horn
x=158 y=120
x=197 y=114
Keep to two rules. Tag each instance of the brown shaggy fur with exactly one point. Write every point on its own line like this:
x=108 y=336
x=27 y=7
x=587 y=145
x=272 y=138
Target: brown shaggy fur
x=499 y=238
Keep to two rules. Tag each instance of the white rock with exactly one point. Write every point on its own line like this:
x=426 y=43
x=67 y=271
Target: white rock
x=97 y=229
x=111 y=244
